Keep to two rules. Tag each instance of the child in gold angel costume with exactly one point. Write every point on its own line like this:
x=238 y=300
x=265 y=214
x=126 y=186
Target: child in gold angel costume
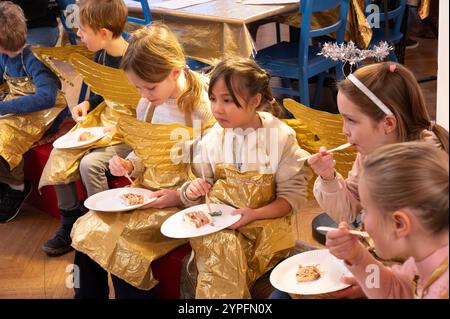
x=101 y=25
x=250 y=161
x=31 y=107
x=126 y=244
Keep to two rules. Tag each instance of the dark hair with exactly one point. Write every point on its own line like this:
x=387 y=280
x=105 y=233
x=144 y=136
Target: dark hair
x=401 y=93
x=13 y=27
x=410 y=175
x=245 y=78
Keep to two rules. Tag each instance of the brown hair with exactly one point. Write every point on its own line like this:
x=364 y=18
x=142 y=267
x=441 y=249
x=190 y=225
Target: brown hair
x=244 y=77
x=109 y=14
x=401 y=93
x=13 y=27
x=410 y=175
x=153 y=52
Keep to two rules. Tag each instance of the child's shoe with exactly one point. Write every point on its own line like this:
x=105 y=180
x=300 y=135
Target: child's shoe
x=61 y=241
x=12 y=200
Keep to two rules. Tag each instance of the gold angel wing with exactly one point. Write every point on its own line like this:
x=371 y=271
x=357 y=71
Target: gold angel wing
x=48 y=56
x=163 y=148
x=112 y=84
x=317 y=128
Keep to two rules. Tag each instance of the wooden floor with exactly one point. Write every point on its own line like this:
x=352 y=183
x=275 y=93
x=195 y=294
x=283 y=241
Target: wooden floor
x=27 y=272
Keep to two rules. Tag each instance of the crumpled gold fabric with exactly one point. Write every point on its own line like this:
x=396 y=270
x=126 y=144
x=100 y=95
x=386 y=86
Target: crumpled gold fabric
x=167 y=155
x=125 y=244
x=316 y=128
x=230 y=261
x=48 y=56
x=222 y=39
x=358 y=29
x=120 y=99
x=19 y=132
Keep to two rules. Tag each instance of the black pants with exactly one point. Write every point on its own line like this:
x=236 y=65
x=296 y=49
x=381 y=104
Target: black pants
x=93 y=282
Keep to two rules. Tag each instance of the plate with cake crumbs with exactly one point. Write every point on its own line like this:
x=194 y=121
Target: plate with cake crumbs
x=119 y=199
x=197 y=221
x=310 y=273
x=82 y=136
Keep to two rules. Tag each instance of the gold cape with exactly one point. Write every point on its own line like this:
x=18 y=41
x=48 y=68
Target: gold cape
x=120 y=99
x=19 y=132
x=230 y=261
x=125 y=244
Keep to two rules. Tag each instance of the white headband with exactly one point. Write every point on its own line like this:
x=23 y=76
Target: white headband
x=369 y=94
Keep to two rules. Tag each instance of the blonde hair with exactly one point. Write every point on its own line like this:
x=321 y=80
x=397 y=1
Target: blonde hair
x=410 y=175
x=109 y=14
x=13 y=27
x=401 y=93
x=244 y=77
x=153 y=52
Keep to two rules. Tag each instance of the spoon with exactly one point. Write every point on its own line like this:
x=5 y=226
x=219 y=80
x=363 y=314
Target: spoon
x=339 y=148
x=351 y=231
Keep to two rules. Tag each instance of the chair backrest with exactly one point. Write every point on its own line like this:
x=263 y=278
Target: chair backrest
x=395 y=14
x=135 y=23
x=316 y=128
x=145 y=11
x=307 y=8
x=62 y=4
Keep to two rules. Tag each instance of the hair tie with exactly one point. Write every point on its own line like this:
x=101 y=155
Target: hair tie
x=186 y=68
x=392 y=68
x=432 y=124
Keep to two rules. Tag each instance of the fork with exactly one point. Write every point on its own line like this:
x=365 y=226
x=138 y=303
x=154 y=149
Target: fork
x=339 y=148
x=203 y=176
x=351 y=231
x=126 y=173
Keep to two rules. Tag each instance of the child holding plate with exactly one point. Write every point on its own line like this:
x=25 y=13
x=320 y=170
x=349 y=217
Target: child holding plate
x=126 y=244
x=404 y=192
x=250 y=161
x=101 y=26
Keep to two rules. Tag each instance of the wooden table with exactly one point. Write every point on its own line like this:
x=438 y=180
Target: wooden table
x=214 y=29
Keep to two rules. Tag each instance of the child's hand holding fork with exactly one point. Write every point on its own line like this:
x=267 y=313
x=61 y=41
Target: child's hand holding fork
x=119 y=166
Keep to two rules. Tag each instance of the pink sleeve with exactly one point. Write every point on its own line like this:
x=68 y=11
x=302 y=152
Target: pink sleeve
x=381 y=282
x=339 y=198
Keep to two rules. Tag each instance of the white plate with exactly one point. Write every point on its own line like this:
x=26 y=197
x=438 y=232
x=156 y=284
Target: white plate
x=176 y=227
x=332 y=269
x=70 y=140
x=109 y=200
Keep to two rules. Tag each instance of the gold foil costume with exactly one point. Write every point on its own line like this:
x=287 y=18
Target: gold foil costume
x=120 y=99
x=125 y=244
x=20 y=131
x=230 y=261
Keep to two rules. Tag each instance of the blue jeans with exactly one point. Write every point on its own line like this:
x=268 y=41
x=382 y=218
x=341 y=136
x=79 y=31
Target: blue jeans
x=44 y=36
x=278 y=294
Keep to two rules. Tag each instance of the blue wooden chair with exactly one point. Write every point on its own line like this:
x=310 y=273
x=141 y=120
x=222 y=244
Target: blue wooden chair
x=299 y=60
x=62 y=4
x=145 y=20
x=395 y=17
x=193 y=64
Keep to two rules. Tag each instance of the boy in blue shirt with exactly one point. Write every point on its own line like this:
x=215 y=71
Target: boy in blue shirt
x=27 y=112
